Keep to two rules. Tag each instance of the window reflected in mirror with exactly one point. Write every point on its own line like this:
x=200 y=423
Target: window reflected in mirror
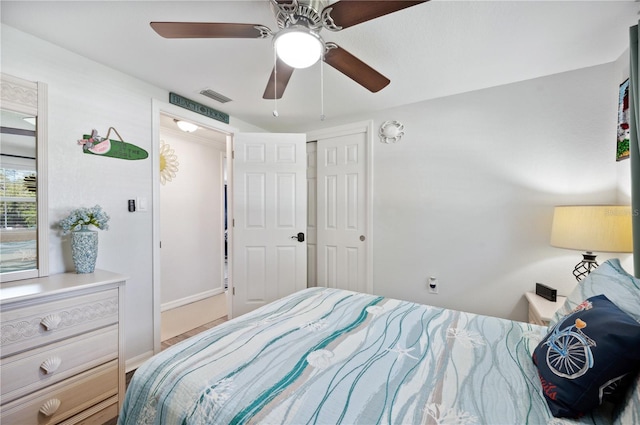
x=18 y=190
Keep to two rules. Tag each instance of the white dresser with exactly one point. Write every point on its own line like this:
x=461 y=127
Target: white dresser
x=62 y=351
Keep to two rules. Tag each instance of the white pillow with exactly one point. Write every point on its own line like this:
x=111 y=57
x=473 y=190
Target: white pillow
x=611 y=280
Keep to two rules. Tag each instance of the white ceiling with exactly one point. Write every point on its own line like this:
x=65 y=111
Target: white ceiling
x=431 y=50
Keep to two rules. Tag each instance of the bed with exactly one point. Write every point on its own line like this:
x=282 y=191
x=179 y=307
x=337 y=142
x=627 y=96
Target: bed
x=329 y=356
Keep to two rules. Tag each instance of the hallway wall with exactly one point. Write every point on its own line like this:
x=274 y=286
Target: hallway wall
x=191 y=217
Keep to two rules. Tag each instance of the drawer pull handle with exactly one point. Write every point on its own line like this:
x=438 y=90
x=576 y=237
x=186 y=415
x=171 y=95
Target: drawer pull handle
x=50 y=407
x=51 y=321
x=51 y=364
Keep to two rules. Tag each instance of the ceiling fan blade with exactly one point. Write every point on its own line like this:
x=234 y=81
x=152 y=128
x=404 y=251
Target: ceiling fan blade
x=347 y=13
x=209 y=30
x=355 y=69
x=273 y=90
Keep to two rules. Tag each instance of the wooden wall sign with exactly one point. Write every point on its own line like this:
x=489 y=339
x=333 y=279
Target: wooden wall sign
x=199 y=108
x=93 y=144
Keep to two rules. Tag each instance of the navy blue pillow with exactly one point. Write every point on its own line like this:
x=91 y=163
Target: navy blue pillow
x=588 y=357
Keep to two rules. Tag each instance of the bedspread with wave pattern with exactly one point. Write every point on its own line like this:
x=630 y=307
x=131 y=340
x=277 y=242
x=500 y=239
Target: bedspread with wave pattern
x=327 y=356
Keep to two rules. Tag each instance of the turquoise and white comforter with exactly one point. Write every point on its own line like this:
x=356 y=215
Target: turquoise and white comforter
x=327 y=356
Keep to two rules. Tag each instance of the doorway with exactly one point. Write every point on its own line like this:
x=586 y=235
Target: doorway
x=191 y=228
x=229 y=132
x=189 y=221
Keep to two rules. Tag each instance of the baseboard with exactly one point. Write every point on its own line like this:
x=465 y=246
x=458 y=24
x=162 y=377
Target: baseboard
x=190 y=316
x=190 y=299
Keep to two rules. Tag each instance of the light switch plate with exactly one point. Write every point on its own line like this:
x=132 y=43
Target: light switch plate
x=142 y=204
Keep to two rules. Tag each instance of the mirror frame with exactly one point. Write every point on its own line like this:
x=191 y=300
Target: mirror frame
x=29 y=97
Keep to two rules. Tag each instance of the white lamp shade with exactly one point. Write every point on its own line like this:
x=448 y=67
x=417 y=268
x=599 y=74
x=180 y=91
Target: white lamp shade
x=298 y=48
x=601 y=228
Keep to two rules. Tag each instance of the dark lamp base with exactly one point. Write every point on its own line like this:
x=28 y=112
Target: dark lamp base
x=584 y=267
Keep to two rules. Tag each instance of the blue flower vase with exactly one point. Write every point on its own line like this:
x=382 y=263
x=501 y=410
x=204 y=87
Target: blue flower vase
x=84 y=249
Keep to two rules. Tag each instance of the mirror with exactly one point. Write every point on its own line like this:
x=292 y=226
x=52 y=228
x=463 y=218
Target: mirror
x=23 y=195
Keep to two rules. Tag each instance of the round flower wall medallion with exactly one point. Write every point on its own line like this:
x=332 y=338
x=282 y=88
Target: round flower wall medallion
x=168 y=163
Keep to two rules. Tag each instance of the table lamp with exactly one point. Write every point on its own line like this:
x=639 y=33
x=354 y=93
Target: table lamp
x=589 y=228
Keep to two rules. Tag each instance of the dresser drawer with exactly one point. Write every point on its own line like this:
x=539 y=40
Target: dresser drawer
x=30 y=326
x=103 y=415
x=27 y=372
x=71 y=396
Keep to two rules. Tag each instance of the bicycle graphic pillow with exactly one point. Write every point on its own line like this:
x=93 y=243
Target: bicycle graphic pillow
x=588 y=357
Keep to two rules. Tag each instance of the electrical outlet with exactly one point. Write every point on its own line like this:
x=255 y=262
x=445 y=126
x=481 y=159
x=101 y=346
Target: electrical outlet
x=432 y=285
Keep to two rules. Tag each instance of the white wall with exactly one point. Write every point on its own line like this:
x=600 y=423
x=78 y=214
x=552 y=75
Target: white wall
x=191 y=214
x=468 y=194
x=84 y=95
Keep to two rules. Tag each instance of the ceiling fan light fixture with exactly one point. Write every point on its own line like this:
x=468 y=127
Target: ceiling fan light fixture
x=298 y=47
x=186 y=126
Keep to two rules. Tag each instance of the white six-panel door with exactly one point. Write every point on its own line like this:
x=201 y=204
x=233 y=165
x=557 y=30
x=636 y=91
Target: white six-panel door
x=312 y=199
x=270 y=199
x=342 y=228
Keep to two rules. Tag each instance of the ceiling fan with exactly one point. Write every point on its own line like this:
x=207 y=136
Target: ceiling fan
x=300 y=23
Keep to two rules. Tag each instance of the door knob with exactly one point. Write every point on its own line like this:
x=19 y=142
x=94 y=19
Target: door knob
x=299 y=237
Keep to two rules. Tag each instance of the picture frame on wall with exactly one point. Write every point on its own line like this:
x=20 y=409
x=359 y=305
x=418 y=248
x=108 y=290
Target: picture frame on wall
x=622 y=143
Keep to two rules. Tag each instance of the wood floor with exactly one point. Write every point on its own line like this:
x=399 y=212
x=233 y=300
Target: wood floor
x=176 y=339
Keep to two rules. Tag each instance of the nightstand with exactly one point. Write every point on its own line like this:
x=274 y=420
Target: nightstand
x=541 y=310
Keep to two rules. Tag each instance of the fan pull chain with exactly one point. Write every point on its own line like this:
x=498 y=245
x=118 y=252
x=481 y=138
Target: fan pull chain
x=275 y=84
x=322 y=116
